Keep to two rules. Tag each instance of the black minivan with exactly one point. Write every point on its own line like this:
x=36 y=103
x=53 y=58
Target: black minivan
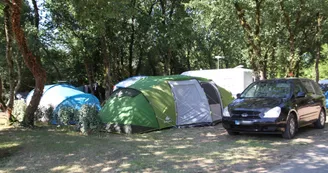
x=276 y=106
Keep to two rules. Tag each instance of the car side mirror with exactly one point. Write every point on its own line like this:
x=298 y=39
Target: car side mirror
x=238 y=95
x=300 y=94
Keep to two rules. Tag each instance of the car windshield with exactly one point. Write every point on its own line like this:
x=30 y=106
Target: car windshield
x=277 y=89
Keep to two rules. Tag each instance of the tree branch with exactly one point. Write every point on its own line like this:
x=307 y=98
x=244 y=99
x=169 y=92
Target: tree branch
x=151 y=7
x=4 y=2
x=298 y=16
x=36 y=13
x=241 y=17
x=258 y=17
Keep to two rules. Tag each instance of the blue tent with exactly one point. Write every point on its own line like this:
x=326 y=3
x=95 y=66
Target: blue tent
x=326 y=95
x=63 y=95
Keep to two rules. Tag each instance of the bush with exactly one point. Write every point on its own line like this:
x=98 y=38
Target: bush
x=88 y=119
x=66 y=115
x=44 y=114
x=19 y=109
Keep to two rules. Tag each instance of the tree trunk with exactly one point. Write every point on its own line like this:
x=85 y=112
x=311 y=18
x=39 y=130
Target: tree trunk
x=298 y=66
x=89 y=74
x=108 y=85
x=19 y=74
x=291 y=66
x=318 y=46
x=264 y=69
x=188 y=60
x=36 y=36
x=131 y=48
x=3 y=106
x=132 y=41
x=169 y=58
x=10 y=62
x=139 y=61
x=53 y=64
x=31 y=62
x=264 y=66
x=57 y=70
x=252 y=35
x=151 y=64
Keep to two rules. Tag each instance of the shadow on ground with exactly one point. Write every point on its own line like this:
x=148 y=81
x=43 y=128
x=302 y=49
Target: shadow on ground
x=203 y=149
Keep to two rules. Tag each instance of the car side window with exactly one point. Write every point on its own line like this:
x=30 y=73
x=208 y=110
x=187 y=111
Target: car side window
x=308 y=86
x=297 y=88
x=317 y=88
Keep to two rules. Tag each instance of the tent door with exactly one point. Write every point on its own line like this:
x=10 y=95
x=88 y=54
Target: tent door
x=191 y=102
x=214 y=99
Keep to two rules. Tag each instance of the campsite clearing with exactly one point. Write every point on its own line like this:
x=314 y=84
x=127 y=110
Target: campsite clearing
x=202 y=149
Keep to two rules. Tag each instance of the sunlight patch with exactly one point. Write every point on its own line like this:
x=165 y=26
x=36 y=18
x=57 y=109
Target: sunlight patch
x=149 y=146
x=97 y=165
x=106 y=169
x=183 y=146
x=278 y=143
x=112 y=162
x=208 y=161
x=125 y=165
x=159 y=153
x=210 y=135
x=9 y=144
x=322 y=146
x=59 y=168
x=302 y=141
x=69 y=155
x=74 y=168
x=21 y=168
x=144 y=154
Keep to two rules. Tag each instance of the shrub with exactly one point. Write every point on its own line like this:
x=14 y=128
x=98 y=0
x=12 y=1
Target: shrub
x=19 y=109
x=44 y=114
x=66 y=115
x=88 y=119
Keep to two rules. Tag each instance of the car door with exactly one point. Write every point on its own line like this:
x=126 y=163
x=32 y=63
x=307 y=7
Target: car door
x=302 y=104
x=318 y=98
x=312 y=108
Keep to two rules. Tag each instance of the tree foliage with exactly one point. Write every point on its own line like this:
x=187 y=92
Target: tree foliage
x=105 y=41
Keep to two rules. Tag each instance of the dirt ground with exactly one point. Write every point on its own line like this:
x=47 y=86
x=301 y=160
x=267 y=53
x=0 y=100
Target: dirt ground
x=201 y=149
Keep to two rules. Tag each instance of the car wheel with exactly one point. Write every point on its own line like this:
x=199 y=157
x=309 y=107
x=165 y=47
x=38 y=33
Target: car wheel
x=232 y=133
x=291 y=127
x=321 y=121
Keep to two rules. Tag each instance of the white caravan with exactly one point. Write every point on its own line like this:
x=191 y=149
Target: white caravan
x=234 y=80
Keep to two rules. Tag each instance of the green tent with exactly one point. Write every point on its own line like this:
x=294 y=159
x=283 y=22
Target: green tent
x=158 y=102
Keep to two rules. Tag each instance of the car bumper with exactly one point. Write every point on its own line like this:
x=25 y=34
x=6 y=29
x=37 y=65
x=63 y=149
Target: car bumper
x=254 y=125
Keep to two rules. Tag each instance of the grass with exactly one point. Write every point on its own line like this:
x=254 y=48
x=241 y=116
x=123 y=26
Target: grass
x=203 y=149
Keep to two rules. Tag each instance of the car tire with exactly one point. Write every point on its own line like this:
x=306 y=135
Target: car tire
x=321 y=121
x=232 y=133
x=291 y=127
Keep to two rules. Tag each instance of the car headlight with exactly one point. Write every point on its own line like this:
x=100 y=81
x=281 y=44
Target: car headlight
x=226 y=112
x=273 y=113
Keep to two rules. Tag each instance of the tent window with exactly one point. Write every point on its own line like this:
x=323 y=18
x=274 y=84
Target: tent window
x=211 y=93
x=125 y=92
